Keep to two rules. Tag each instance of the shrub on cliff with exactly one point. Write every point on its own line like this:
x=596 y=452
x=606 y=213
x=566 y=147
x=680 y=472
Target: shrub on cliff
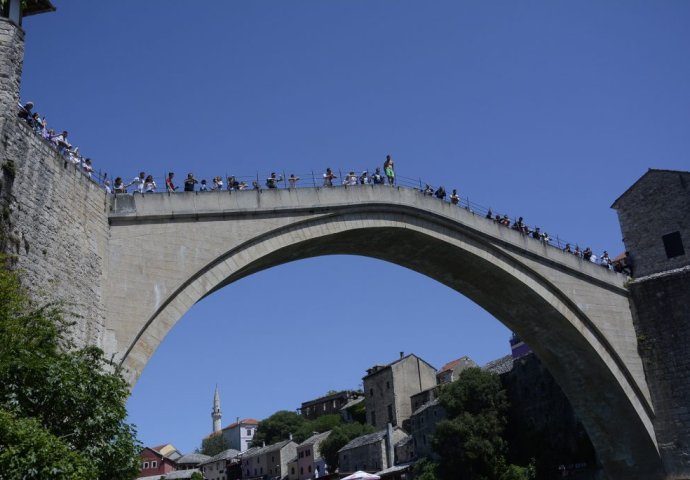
x=62 y=409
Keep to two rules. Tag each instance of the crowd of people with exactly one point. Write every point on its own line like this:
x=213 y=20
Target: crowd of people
x=144 y=183
x=59 y=141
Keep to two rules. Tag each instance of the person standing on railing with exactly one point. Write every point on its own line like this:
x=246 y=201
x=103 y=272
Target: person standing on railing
x=292 y=180
x=328 y=178
x=364 y=178
x=388 y=169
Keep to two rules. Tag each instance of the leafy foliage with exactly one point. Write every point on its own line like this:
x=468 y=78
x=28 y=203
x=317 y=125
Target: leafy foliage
x=338 y=438
x=277 y=427
x=318 y=425
x=214 y=444
x=30 y=451
x=425 y=469
x=470 y=442
x=49 y=389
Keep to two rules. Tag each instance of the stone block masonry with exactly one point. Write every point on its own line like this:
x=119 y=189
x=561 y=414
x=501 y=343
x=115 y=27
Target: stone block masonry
x=53 y=220
x=662 y=322
x=11 y=60
x=54 y=227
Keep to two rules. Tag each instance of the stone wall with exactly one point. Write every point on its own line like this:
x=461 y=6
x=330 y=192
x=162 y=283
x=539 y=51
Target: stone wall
x=657 y=205
x=662 y=314
x=543 y=426
x=53 y=220
x=55 y=227
x=11 y=61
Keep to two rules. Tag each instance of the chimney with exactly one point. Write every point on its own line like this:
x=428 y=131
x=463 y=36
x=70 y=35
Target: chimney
x=402 y=354
x=290 y=436
x=390 y=452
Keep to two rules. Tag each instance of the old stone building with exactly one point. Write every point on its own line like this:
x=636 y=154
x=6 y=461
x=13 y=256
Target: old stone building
x=654 y=219
x=372 y=452
x=309 y=459
x=450 y=371
x=388 y=389
x=269 y=461
x=223 y=466
x=329 y=404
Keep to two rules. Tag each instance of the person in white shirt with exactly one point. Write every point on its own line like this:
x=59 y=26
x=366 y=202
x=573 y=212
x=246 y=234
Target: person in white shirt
x=138 y=182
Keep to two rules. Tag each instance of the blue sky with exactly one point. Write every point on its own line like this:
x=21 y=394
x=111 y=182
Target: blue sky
x=543 y=109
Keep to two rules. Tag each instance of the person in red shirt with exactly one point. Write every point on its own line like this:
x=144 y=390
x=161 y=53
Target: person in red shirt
x=169 y=183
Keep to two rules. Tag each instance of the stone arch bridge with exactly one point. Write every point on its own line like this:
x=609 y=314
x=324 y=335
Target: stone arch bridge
x=575 y=315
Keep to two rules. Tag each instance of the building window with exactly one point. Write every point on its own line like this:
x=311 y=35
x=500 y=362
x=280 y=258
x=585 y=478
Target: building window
x=673 y=245
x=146 y=464
x=308 y=452
x=309 y=469
x=249 y=431
x=154 y=464
x=301 y=470
x=390 y=413
x=373 y=418
x=371 y=392
x=388 y=385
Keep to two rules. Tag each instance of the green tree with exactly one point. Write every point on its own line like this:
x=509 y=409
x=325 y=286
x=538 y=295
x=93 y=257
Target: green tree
x=51 y=390
x=214 y=444
x=340 y=436
x=425 y=469
x=197 y=476
x=318 y=425
x=470 y=442
x=277 y=427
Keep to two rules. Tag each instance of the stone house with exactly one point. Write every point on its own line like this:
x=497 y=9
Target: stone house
x=221 y=466
x=372 y=452
x=423 y=426
x=269 y=461
x=293 y=473
x=158 y=460
x=191 y=461
x=239 y=435
x=388 y=389
x=653 y=214
x=450 y=371
x=309 y=459
x=329 y=404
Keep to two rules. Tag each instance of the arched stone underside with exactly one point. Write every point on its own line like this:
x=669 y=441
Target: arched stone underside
x=575 y=317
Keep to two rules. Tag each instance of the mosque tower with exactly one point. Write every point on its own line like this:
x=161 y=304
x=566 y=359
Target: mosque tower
x=215 y=413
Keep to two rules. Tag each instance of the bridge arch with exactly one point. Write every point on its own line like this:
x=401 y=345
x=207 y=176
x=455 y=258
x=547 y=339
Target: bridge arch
x=563 y=309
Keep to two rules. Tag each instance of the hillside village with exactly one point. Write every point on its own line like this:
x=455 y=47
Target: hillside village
x=400 y=401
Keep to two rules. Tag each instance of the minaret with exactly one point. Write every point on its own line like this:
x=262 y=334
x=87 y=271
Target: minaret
x=215 y=413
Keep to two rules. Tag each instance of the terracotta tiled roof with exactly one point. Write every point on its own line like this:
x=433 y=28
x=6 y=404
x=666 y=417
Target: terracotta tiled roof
x=450 y=365
x=246 y=421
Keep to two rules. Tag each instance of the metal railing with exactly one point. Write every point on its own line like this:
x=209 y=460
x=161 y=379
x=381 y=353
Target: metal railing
x=312 y=179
